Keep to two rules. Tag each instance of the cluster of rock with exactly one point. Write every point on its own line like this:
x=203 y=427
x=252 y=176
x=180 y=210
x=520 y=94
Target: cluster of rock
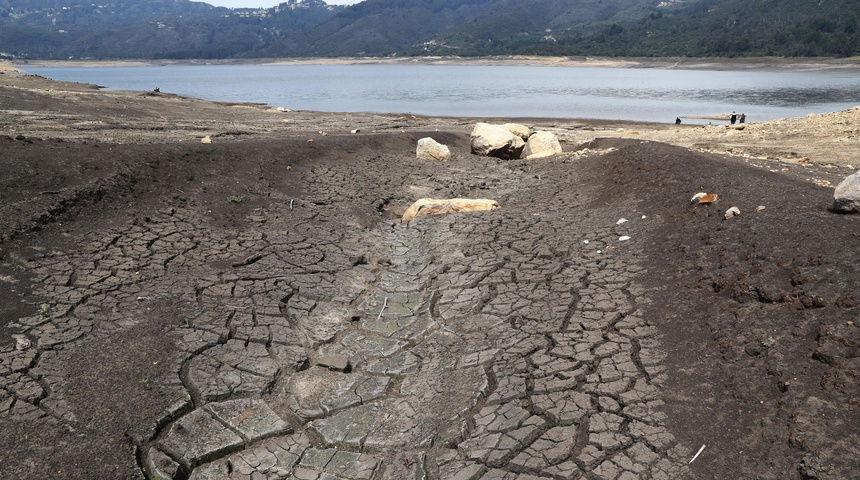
x=508 y=141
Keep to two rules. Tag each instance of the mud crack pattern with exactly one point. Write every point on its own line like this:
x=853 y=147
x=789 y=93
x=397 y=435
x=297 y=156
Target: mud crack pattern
x=304 y=344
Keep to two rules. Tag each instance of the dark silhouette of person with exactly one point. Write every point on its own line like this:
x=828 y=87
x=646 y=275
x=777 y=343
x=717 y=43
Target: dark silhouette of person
x=743 y=118
x=733 y=118
x=677 y=120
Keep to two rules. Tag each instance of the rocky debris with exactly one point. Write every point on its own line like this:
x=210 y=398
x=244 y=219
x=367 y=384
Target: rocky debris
x=434 y=206
x=542 y=144
x=206 y=140
x=495 y=141
x=732 y=212
x=846 y=197
x=430 y=149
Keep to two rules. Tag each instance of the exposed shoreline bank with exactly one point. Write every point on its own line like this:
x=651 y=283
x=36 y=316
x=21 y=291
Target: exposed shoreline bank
x=826 y=138
x=749 y=64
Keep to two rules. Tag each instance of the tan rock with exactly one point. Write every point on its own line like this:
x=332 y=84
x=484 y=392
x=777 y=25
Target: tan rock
x=542 y=144
x=435 y=206
x=495 y=141
x=206 y=139
x=521 y=131
x=709 y=198
x=429 y=149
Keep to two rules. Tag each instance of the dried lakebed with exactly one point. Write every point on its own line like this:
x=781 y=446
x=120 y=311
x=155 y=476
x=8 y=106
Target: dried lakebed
x=298 y=342
x=254 y=308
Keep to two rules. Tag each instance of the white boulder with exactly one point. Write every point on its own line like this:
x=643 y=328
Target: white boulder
x=495 y=141
x=542 y=144
x=429 y=149
x=846 y=197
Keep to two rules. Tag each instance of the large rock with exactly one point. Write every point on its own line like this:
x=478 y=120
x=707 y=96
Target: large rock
x=846 y=198
x=429 y=149
x=496 y=141
x=433 y=206
x=542 y=144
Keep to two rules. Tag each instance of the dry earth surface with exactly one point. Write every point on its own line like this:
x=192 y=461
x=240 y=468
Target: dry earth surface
x=252 y=308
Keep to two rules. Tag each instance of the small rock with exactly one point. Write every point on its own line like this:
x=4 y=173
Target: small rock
x=620 y=221
x=760 y=208
x=355 y=131
x=697 y=197
x=206 y=139
x=623 y=238
x=732 y=212
x=21 y=342
x=709 y=198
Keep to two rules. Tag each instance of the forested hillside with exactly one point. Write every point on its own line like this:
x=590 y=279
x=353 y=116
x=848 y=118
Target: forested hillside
x=302 y=28
x=169 y=29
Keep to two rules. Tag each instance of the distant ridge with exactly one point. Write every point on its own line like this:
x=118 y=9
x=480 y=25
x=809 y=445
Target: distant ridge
x=183 y=29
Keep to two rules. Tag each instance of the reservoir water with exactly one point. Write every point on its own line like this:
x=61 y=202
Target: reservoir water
x=638 y=94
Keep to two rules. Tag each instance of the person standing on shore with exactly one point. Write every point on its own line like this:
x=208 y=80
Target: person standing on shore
x=733 y=118
x=742 y=118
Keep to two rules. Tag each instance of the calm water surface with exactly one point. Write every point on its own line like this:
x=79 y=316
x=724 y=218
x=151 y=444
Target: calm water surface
x=493 y=91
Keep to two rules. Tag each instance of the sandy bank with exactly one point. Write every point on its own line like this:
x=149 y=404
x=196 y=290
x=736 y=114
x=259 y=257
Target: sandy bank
x=752 y=64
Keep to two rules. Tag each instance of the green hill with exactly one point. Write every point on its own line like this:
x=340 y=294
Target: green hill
x=186 y=29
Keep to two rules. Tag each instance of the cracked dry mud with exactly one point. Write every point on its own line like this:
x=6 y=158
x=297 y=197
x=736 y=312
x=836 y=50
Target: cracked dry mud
x=255 y=310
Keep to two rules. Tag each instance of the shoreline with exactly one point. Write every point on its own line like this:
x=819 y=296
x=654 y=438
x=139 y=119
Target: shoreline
x=826 y=138
x=717 y=64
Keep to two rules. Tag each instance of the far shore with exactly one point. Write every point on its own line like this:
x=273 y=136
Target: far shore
x=733 y=64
